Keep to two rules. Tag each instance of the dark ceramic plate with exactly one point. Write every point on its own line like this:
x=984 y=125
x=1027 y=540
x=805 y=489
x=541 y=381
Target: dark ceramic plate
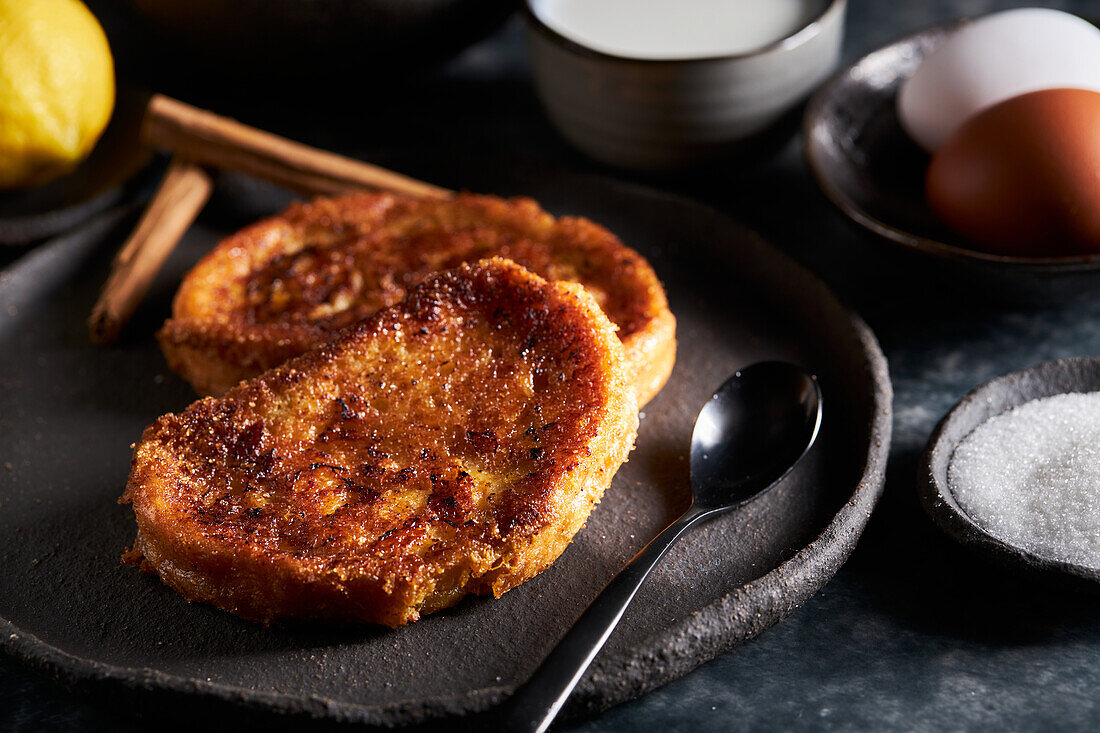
x=989 y=400
x=870 y=169
x=104 y=179
x=69 y=411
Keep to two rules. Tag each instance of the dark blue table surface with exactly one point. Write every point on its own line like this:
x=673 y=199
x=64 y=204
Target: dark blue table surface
x=914 y=632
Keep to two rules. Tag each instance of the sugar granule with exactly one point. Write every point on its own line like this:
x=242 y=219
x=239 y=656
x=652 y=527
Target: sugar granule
x=1031 y=477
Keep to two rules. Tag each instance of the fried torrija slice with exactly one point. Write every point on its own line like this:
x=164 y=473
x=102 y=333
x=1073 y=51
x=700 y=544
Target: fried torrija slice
x=450 y=444
x=287 y=284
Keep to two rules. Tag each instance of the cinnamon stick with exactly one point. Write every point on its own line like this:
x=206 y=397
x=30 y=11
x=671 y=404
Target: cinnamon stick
x=197 y=138
x=220 y=142
x=182 y=194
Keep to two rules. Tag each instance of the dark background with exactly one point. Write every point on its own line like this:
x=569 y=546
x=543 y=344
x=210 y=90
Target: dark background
x=914 y=632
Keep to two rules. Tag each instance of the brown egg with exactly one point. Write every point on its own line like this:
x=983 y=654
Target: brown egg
x=1023 y=177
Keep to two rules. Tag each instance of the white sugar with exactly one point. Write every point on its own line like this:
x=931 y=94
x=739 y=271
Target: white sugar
x=1031 y=477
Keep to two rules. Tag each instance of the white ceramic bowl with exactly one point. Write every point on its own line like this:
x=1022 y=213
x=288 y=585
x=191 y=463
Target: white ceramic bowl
x=662 y=114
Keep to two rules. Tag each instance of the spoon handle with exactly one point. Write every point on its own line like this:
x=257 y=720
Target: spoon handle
x=535 y=705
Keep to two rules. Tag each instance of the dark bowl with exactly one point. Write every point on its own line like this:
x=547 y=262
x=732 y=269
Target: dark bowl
x=116 y=170
x=870 y=169
x=363 y=42
x=989 y=400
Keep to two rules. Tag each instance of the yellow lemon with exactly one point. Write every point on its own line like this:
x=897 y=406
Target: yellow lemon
x=57 y=88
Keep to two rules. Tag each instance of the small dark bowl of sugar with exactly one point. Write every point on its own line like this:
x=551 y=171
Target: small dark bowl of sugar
x=1014 y=468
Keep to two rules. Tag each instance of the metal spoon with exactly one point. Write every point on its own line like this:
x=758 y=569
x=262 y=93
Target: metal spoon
x=747 y=437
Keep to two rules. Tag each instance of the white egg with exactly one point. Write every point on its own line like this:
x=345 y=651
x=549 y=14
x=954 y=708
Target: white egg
x=992 y=59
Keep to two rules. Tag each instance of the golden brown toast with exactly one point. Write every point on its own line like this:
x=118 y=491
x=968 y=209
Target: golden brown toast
x=287 y=284
x=450 y=444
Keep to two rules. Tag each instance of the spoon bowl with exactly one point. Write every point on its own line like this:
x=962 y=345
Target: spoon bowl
x=748 y=436
x=751 y=432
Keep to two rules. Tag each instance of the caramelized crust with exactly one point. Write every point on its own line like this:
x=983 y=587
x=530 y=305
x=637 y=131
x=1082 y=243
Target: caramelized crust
x=453 y=443
x=287 y=284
